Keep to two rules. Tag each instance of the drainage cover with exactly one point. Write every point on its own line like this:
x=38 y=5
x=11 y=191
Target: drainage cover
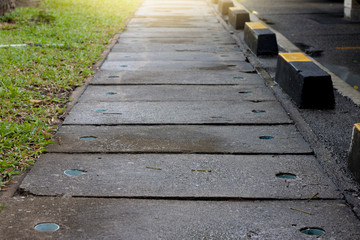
x=113 y=76
x=100 y=110
x=266 y=137
x=244 y=92
x=73 y=172
x=312 y=231
x=123 y=66
x=258 y=111
x=88 y=138
x=286 y=175
x=238 y=77
x=48 y=227
x=111 y=93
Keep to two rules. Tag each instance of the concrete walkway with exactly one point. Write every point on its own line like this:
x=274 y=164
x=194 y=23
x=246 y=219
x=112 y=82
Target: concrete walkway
x=177 y=137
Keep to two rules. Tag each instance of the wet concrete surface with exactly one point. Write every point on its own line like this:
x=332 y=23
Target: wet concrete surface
x=180 y=176
x=180 y=139
x=192 y=161
x=176 y=77
x=157 y=93
x=84 y=218
x=176 y=56
x=162 y=47
x=175 y=65
x=184 y=112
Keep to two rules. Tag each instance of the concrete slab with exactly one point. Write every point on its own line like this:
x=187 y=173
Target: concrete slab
x=153 y=175
x=226 y=40
x=154 y=30
x=158 y=47
x=176 y=93
x=179 y=139
x=183 y=112
x=209 y=77
x=155 y=12
x=175 y=66
x=175 y=22
x=176 y=56
x=174 y=34
x=81 y=218
x=183 y=19
x=175 y=4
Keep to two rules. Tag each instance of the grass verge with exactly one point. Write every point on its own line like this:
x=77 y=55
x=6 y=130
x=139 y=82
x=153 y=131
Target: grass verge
x=36 y=81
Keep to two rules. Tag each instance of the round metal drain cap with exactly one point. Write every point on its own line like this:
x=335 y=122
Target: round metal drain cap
x=286 y=175
x=73 y=172
x=266 y=137
x=47 y=227
x=314 y=231
x=88 y=138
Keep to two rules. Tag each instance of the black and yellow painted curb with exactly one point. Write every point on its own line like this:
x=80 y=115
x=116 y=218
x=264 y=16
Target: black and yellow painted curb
x=354 y=152
x=224 y=5
x=260 y=39
x=306 y=83
x=238 y=17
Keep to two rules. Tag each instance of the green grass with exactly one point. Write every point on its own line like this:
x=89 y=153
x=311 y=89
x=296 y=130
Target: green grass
x=36 y=82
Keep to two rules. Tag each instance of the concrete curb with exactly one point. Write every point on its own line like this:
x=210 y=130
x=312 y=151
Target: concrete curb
x=342 y=87
x=307 y=84
x=354 y=152
x=224 y=5
x=260 y=39
x=238 y=17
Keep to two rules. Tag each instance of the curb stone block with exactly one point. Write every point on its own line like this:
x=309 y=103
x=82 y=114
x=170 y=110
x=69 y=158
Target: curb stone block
x=260 y=39
x=307 y=84
x=354 y=152
x=224 y=5
x=238 y=17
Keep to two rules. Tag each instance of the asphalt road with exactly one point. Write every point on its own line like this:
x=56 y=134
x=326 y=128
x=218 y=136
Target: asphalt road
x=318 y=28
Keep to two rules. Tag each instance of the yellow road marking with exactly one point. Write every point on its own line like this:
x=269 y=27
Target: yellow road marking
x=347 y=48
x=256 y=25
x=294 y=57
